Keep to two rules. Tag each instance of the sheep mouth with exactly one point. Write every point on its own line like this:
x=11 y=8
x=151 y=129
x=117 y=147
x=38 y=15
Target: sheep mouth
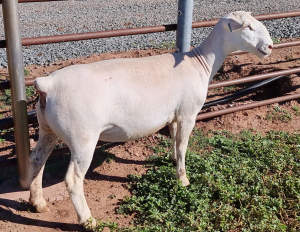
x=263 y=52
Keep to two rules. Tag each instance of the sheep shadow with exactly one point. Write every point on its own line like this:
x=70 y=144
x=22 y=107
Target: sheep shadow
x=9 y=213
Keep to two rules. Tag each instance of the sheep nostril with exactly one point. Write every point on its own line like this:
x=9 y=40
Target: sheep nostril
x=270 y=47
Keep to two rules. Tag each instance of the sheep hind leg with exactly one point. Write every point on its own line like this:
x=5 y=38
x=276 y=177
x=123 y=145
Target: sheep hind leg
x=37 y=162
x=184 y=129
x=81 y=157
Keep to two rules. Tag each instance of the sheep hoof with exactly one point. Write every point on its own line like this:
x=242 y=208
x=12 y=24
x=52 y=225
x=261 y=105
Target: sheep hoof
x=184 y=180
x=42 y=209
x=90 y=224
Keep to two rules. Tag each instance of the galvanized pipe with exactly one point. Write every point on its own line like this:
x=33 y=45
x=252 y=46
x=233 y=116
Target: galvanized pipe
x=247 y=107
x=131 y=31
x=184 y=25
x=18 y=91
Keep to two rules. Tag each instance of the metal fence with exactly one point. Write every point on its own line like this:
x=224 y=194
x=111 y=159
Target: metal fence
x=13 y=43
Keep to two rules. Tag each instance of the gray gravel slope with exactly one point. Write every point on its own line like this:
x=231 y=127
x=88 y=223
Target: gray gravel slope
x=76 y=16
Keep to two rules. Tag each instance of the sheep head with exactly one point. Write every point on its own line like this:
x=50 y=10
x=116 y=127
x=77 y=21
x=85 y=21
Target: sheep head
x=243 y=32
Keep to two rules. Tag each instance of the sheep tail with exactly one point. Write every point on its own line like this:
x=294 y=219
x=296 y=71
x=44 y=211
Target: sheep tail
x=43 y=85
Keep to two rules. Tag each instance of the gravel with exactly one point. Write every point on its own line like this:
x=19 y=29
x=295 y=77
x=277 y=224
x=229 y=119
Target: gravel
x=76 y=16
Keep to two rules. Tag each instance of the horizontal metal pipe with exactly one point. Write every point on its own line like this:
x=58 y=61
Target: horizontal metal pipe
x=247 y=107
x=24 y=1
x=132 y=31
x=240 y=93
x=253 y=78
x=92 y=35
x=210 y=23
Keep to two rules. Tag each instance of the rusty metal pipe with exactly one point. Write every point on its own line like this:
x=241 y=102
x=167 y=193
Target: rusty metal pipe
x=253 y=78
x=247 y=107
x=132 y=31
x=24 y=1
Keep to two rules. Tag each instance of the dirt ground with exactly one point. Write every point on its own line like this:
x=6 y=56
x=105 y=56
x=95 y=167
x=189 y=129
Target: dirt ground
x=106 y=181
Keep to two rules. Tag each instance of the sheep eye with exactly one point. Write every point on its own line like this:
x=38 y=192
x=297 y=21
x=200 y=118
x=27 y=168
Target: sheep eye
x=251 y=28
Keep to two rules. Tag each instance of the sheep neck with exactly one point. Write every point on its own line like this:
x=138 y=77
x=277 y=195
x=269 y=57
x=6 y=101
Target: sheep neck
x=212 y=53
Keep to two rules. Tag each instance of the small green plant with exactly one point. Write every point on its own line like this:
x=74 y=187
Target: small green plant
x=112 y=196
x=5 y=97
x=113 y=226
x=110 y=158
x=276 y=40
x=164 y=45
x=26 y=72
x=279 y=114
x=230 y=88
x=30 y=91
x=163 y=145
x=296 y=109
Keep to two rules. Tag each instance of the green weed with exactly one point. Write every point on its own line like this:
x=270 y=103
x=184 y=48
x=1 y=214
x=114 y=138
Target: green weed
x=26 y=72
x=101 y=225
x=5 y=97
x=239 y=182
x=276 y=40
x=296 y=109
x=279 y=114
x=164 y=45
x=230 y=88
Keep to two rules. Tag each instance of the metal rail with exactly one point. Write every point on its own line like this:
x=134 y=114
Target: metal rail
x=132 y=31
x=24 y=1
x=247 y=107
x=254 y=78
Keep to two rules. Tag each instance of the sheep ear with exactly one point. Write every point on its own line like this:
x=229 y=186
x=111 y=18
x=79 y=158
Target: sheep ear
x=236 y=24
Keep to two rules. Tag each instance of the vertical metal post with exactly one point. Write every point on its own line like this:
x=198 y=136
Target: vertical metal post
x=17 y=82
x=184 y=25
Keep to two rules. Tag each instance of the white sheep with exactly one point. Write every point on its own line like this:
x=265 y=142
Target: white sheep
x=125 y=99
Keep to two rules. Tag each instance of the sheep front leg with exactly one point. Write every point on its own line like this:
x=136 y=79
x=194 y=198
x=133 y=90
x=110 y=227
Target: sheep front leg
x=173 y=131
x=37 y=162
x=184 y=129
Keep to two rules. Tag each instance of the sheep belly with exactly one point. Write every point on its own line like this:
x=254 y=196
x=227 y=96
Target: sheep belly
x=132 y=131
